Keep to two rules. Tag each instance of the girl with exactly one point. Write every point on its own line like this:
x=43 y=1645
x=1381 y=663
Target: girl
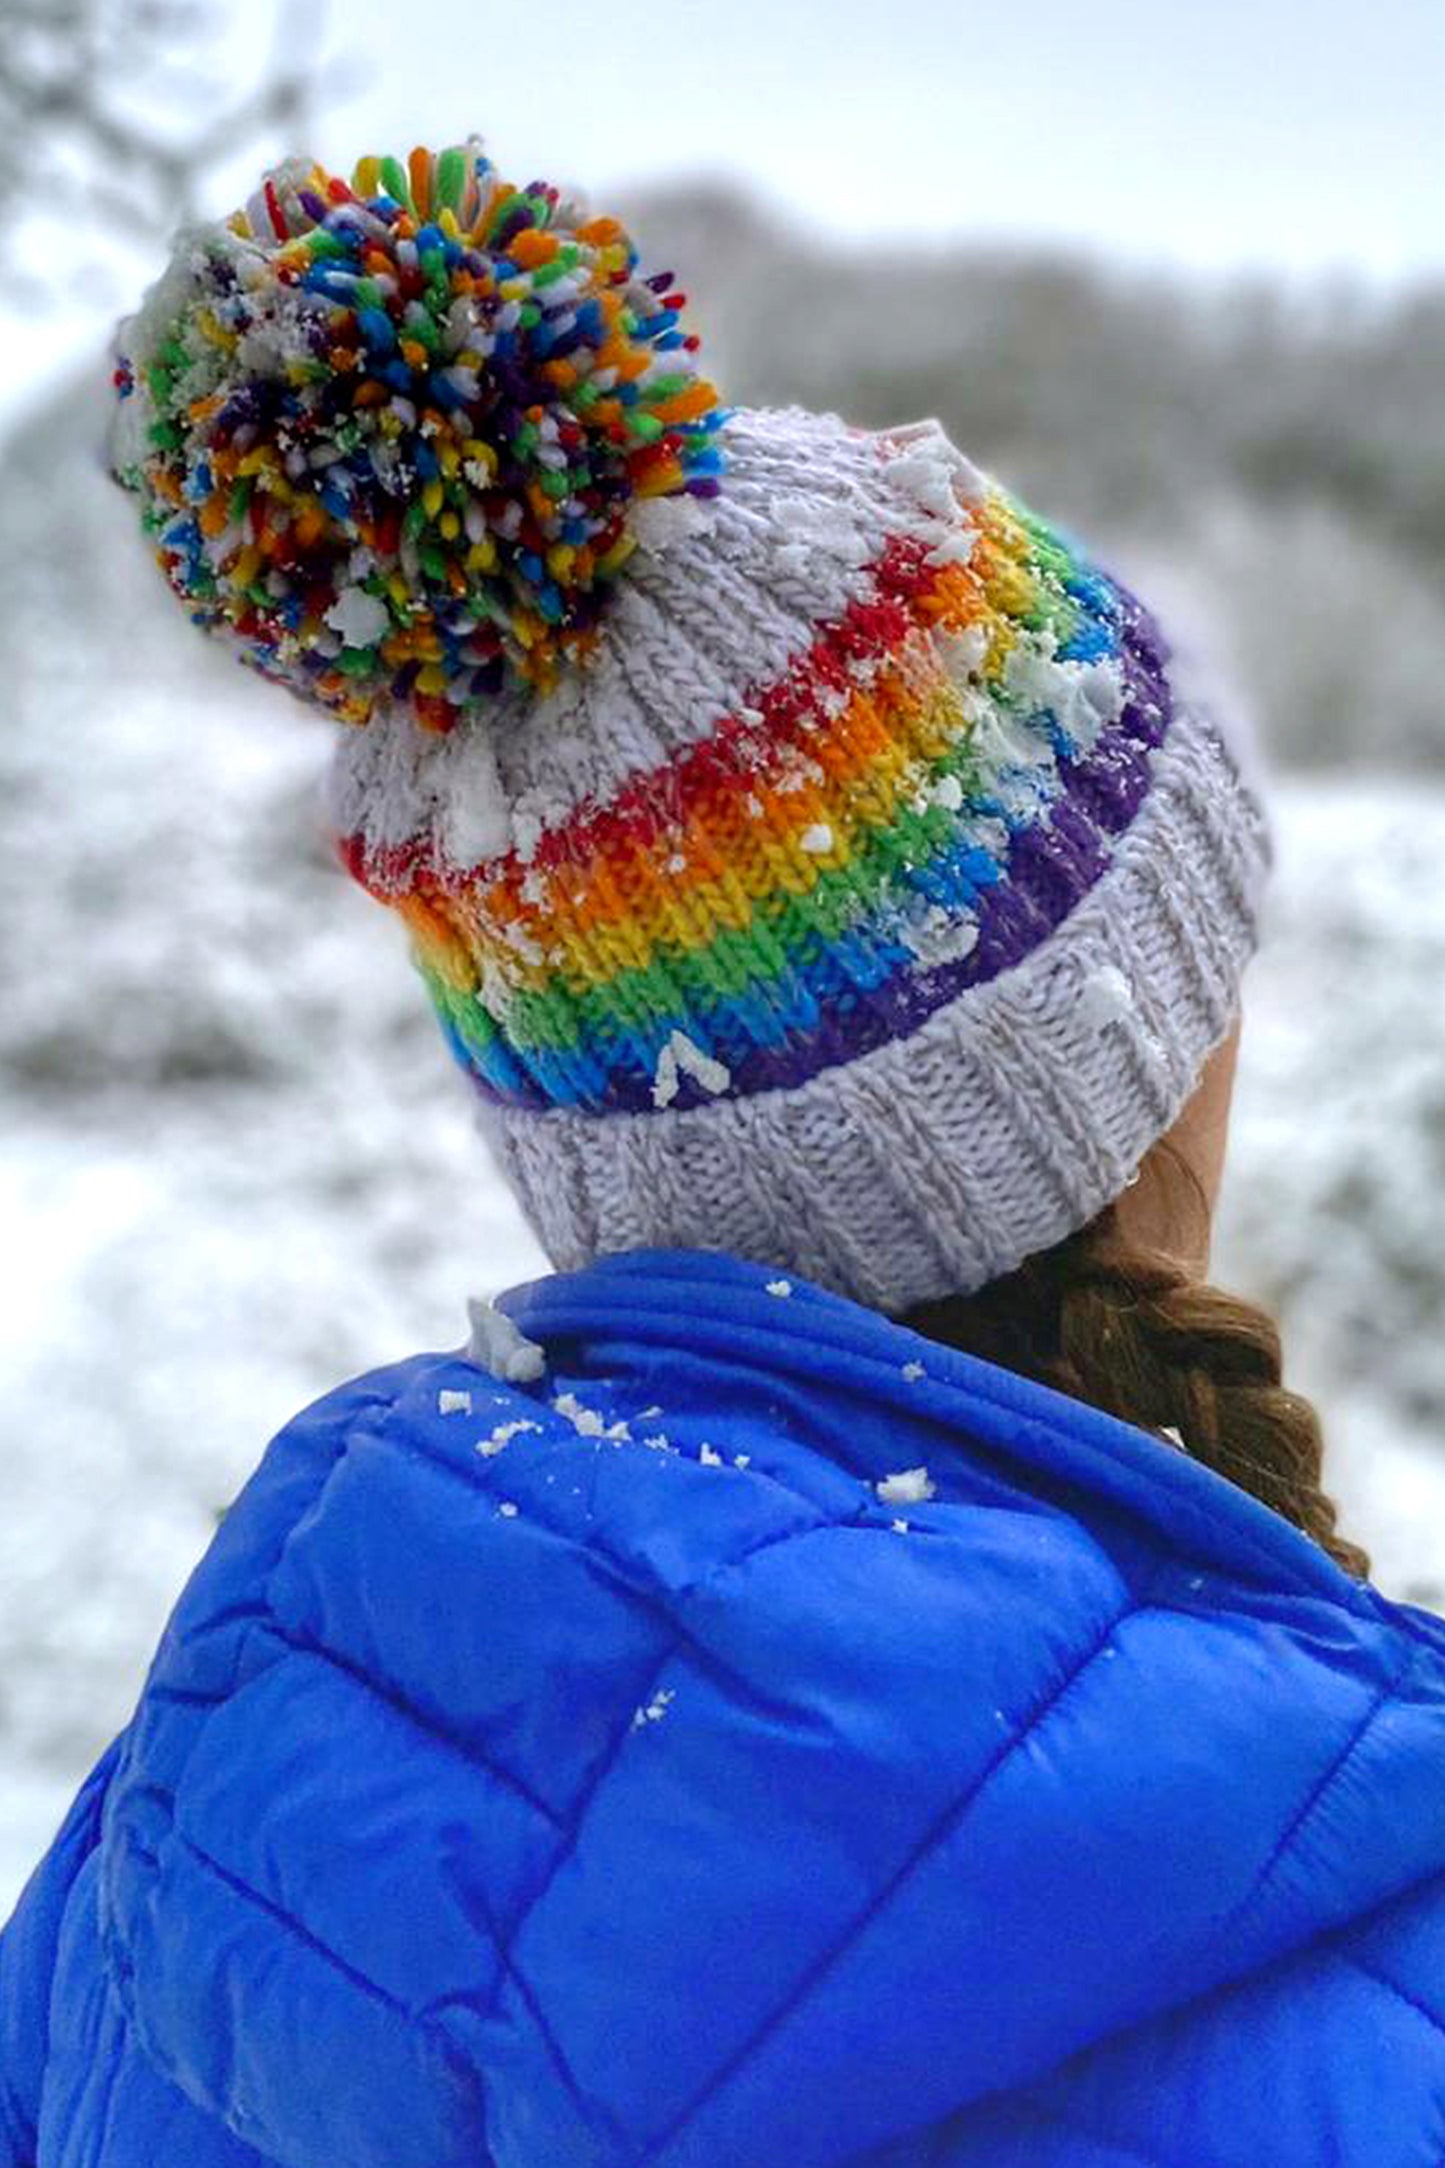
x=858 y=1666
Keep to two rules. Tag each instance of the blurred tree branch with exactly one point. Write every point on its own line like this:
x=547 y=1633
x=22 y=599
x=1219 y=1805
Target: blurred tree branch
x=114 y=107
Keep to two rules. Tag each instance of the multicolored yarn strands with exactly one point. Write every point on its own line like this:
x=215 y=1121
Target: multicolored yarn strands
x=388 y=436
x=848 y=884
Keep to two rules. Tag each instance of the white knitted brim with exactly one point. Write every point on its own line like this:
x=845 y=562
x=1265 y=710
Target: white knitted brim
x=1006 y=1121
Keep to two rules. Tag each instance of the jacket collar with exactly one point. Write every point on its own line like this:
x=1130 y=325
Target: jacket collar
x=881 y=1390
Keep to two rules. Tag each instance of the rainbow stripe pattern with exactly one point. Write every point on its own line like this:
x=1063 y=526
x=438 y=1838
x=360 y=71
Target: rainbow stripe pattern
x=798 y=838
x=908 y=811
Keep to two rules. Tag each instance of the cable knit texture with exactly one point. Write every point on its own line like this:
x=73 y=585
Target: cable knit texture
x=868 y=905
x=805 y=846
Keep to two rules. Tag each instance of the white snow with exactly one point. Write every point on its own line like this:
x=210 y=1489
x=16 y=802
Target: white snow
x=359 y=617
x=654 y=1709
x=682 y=1057
x=499 y=1346
x=1104 y=997
x=906 y=1487
x=452 y=1403
x=503 y=1436
x=585 y=1421
x=913 y=1372
x=779 y=1287
x=940 y=936
x=927 y=476
x=817 y=840
x=953 y=549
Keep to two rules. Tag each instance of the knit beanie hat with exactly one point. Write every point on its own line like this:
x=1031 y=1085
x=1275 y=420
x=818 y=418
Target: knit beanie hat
x=805 y=846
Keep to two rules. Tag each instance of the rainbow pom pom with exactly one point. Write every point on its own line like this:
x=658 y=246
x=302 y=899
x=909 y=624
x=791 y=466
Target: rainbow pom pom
x=387 y=436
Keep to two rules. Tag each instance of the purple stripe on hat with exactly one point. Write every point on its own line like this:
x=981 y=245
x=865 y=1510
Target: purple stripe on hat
x=1050 y=865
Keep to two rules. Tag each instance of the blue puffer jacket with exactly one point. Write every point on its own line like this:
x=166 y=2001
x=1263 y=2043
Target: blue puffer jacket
x=602 y=1770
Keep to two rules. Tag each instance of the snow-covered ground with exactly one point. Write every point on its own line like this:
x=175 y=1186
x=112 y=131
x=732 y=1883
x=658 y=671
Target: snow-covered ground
x=236 y=1166
x=236 y=1222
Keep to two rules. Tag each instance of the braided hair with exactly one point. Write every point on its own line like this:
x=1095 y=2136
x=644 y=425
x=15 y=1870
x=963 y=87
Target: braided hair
x=1131 y=1330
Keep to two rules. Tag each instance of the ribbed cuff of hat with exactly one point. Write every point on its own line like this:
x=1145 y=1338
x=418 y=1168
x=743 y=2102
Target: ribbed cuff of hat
x=941 y=1160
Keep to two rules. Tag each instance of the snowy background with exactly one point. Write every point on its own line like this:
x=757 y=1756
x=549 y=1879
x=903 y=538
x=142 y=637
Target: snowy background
x=235 y=1163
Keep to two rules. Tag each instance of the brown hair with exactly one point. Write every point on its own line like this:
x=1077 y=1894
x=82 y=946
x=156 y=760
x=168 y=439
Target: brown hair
x=1129 y=1330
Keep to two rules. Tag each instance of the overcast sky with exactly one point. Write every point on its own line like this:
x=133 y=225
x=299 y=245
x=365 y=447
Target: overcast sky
x=1206 y=132
x=1203 y=134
